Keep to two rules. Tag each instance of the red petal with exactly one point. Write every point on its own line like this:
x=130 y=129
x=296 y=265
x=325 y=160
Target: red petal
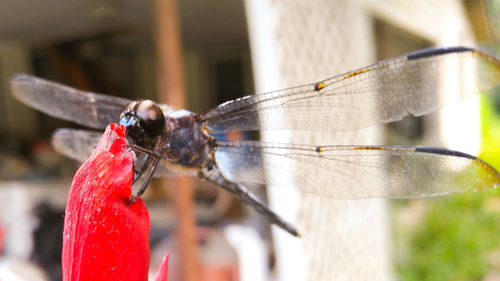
x=106 y=235
x=162 y=273
x=1 y=238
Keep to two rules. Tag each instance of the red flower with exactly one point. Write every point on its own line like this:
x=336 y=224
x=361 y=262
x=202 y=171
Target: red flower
x=1 y=238
x=162 y=273
x=106 y=229
x=1 y=242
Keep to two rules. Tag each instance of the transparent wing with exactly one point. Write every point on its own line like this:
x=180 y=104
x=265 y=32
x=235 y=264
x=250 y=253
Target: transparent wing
x=84 y=108
x=75 y=144
x=414 y=84
x=356 y=171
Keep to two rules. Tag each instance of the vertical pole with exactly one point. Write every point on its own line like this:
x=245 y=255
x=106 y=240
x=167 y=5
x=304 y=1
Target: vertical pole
x=172 y=92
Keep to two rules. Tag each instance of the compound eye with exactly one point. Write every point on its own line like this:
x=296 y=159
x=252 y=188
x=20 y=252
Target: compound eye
x=128 y=108
x=151 y=117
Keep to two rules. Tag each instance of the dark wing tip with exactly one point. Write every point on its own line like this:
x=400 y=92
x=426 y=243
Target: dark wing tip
x=492 y=173
x=437 y=51
x=443 y=151
x=430 y=52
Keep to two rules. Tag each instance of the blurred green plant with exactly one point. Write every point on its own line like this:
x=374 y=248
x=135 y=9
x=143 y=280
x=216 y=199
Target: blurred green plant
x=490 y=128
x=456 y=239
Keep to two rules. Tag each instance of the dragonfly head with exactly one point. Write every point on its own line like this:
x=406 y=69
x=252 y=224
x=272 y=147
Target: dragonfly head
x=144 y=122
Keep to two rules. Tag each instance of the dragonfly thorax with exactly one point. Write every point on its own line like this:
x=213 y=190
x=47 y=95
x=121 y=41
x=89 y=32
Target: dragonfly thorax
x=184 y=142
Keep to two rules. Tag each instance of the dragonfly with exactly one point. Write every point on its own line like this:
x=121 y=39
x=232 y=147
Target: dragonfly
x=171 y=142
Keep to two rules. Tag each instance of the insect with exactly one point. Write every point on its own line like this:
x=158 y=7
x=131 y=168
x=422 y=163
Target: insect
x=178 y=142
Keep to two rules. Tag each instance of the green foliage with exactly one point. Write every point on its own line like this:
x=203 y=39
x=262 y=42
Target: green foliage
x=455 y=239
x=490 y=128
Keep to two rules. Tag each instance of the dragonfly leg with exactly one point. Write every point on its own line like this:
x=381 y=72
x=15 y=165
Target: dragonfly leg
x=251 y=199
x=151 y=157
x=138 y=172
x=144 y=150
x=149 y=174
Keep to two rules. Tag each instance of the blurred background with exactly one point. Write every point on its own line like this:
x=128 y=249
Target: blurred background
x=227 y=49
